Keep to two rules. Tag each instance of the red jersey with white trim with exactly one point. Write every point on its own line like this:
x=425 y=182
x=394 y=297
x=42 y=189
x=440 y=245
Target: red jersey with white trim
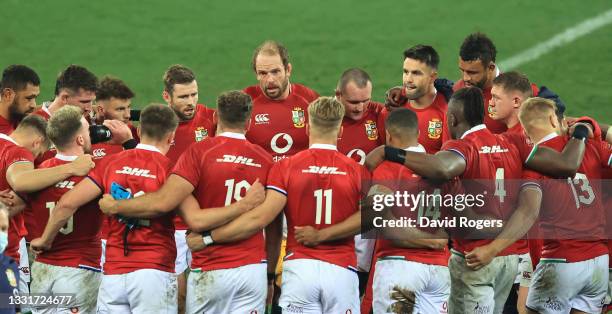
x=221 y=169
x=279 y=126
x=43 y=112
x=78 y=242
x=203 y=125
x=310 y=95
x=323 y=187
x=493 y=165
x=574 y=207
x=6 y=127
x=361 y=137
x=403 y=179
x=142 y=170
x=12 y=153
x=433 y=131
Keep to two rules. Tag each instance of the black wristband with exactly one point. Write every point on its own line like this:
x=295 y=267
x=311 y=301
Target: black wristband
x=581 y=132
x=271 y=276
x=129 y=144
x=395 y=154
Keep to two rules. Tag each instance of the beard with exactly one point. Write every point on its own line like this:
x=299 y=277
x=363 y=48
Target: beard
x=14 y=114
x=281 y=90
x=181 y=115
x=416 y=93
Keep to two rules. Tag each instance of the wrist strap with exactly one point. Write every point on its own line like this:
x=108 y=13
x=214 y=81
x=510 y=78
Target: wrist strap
x=395 y=154
x=581 y=132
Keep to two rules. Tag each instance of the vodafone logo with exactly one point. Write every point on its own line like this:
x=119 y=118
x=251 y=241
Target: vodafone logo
x=262 y=118
x=274 y=143
x=358 y=155
x=98 y=153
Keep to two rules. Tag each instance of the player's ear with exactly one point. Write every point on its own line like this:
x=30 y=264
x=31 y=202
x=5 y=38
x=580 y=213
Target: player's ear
x=554 y=122
x=516 y=102
x=338 y=94
x=138 y=131
x=63 y=96
x=307 y=129
x=491 y=66
x=340 y=131
x=166 y=96
x=80 y=140
x=170 y=138
x=8 y=94
x=288 y=69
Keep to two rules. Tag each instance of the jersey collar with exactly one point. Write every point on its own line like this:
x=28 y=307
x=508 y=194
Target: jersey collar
x=324 y=146
x=8 y=138
x=548 y=138
x=148 y=147
x=474 y=129
x=65 y=157
x=417 y=149
x=238 y=136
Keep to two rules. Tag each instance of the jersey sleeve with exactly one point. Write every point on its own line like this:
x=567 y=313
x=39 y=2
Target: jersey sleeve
x=277 y=177
x=188 y=166
x=18 y=155
x=458 y=147
x=97 y=174
x=531 y=178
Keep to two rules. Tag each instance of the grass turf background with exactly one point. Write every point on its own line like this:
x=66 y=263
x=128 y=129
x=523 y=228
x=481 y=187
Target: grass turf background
x=138 y=40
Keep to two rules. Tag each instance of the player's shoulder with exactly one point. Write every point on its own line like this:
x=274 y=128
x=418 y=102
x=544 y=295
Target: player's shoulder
x=306 y=92
x=254 y=91
x=203 y=112
x=259 y=151
x=375 y=108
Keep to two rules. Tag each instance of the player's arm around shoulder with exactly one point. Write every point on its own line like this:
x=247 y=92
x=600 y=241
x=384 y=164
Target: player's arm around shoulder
x=150 y=205
x=252 y=221
x=209 y=218
x=84 y=192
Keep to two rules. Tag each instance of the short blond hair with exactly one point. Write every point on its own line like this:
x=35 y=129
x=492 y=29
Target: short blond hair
x=536 y=109
x=325 y=115
x=64 y=125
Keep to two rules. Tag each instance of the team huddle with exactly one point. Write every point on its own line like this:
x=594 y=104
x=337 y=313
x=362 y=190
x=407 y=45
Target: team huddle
x=270 y=199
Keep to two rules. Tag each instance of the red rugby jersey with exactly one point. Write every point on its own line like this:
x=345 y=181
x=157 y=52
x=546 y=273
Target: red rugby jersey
x=310 y=95
x=6 y=127
x=279 y=126
x=400 y=178
x=323 y=187
x=574 y=207
x=203 y=125
x=433 y=131
x=78 y=243
x=221 y=169
x=142 y=170
x=361 y=137
x=11 y=153
x=488 y=158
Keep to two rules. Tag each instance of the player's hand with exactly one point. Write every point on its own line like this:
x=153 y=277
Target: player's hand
x=194 y=241
x=120 y=131
x=255 y=195
x=572 y=127
x=38 y=246
x=375 y=157
x=307 y=236
x=480 y=257
x=395 y=98
x=107 y=203
x=82 y=165
x=7 y=198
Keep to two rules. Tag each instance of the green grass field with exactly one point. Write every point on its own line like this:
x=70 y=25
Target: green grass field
x=137 y=40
